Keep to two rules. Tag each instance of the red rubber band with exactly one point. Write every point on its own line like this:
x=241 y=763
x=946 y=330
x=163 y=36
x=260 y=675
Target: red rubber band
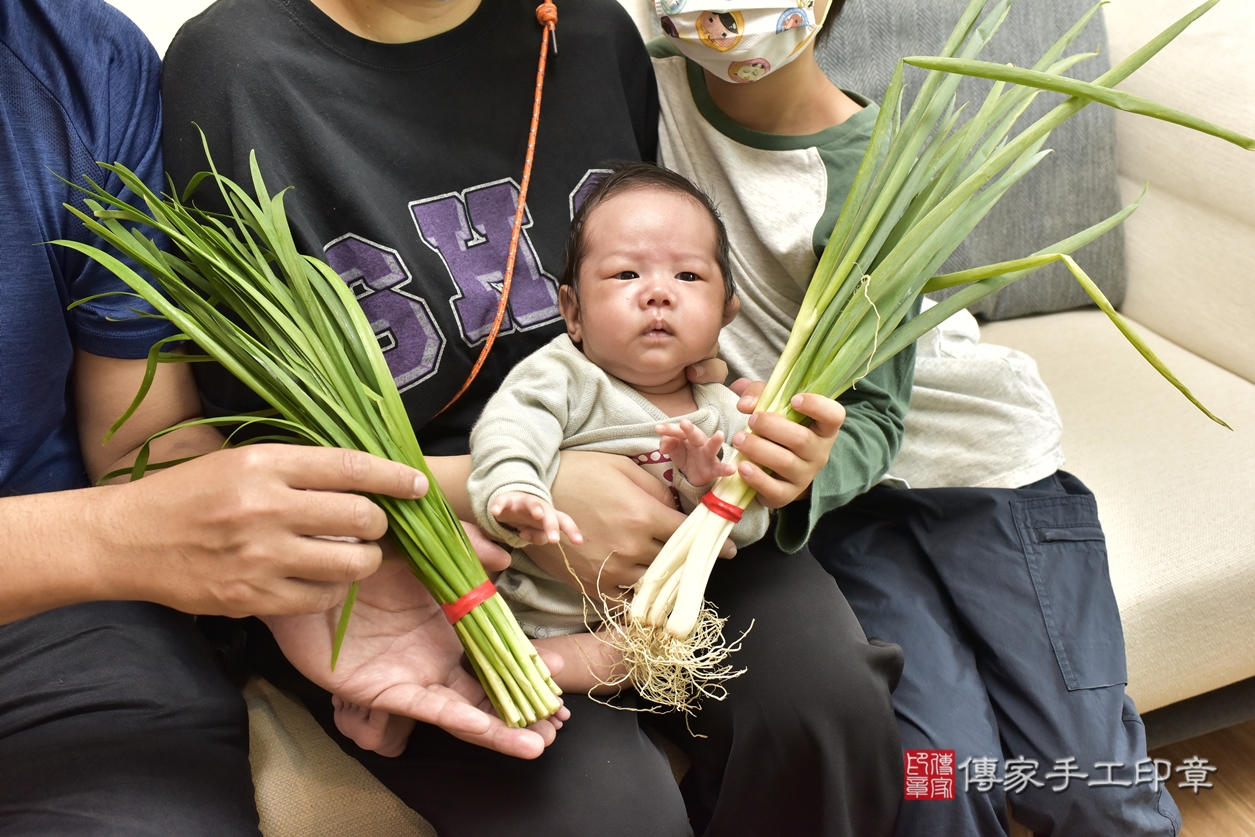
x=475 y=598
x=721 y=507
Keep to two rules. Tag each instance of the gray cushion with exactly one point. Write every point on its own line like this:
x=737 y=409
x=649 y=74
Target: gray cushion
x=1072 y=189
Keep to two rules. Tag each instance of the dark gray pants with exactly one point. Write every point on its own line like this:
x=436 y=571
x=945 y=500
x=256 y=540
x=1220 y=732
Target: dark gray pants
x=1002 y=603
x=804 y=744
x=116 y=721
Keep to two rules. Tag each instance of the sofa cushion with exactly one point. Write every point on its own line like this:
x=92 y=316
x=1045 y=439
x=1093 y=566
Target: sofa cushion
x=1176 y=495
x=1072 y=189
x=306 y=785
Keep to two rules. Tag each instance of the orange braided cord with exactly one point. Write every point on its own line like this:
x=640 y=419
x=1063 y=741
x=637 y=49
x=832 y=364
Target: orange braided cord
x=547 y=16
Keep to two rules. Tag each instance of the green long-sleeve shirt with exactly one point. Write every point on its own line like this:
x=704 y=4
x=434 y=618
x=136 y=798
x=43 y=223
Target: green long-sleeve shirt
x=780 y=197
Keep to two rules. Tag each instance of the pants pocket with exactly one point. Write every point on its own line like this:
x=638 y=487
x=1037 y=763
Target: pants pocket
x=1067 y=561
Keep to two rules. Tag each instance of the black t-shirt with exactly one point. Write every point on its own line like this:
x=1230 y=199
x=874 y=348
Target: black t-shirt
x=405 y=161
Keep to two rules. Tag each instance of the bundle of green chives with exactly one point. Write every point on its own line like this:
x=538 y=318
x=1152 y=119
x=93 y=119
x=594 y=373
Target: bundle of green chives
x=307 y=348
x=925 y=182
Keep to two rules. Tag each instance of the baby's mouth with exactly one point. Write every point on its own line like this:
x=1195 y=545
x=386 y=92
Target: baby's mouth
x=658 y=329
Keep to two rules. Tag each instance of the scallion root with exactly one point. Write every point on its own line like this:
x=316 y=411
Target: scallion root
x=678 y=673
x=674 y=674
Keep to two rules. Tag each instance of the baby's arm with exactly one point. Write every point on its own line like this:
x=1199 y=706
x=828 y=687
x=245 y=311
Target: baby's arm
x=514 y=446
x=373 y=729
x=589 y=664
x=696 y=456
x=535 y=518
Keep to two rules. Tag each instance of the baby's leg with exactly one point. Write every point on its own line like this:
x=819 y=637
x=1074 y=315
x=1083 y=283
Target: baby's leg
x=589 y=664
x=373 y=729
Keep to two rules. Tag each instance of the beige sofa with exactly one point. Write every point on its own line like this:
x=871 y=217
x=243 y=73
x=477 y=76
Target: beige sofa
x=1176 y=493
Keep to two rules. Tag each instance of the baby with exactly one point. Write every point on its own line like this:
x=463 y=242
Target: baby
x=646 y=289
x=645 y=292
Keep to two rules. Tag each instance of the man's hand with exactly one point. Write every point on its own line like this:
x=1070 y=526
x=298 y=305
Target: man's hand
x=625 y=516
x=794 y=454
x=237 y=532
x=400 y=655
x=712 y=370
x=233 y=532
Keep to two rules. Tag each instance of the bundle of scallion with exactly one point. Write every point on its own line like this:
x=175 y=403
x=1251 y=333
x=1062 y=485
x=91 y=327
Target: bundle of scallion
x=925 y=182
x=307 y=348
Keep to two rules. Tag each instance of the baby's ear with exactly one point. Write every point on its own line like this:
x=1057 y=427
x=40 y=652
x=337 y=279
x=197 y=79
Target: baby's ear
x=569 y=305
x=731 y=308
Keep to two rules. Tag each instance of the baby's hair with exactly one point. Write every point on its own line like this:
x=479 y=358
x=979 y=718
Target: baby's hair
x=627 y=177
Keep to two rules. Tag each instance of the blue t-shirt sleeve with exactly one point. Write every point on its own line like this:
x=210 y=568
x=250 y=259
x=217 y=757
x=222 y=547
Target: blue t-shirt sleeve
x=120 y=122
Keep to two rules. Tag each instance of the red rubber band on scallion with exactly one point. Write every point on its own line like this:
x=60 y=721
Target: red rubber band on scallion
x=721 y=507
x=475 y=598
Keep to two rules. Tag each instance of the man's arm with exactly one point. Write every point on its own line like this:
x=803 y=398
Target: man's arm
x=234 y=532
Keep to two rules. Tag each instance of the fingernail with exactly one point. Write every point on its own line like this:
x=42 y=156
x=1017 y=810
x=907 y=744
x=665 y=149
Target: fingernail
x=753 y=419
x=737 y=440
x=420 y=485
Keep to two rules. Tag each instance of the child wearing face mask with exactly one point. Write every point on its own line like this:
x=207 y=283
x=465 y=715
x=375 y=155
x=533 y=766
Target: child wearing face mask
x=941 y=567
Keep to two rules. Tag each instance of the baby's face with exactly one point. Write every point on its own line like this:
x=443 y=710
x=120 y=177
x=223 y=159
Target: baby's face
x=651 y=297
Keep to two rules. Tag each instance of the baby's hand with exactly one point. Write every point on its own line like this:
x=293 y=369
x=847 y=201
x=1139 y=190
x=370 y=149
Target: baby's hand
x=373 y=729
x=696 y=456
x=536 y=520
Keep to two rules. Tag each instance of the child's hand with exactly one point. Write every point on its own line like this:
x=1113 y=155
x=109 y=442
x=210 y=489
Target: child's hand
x=696 y=456
x=536 y=520
x=373 y=729
x=793 y=453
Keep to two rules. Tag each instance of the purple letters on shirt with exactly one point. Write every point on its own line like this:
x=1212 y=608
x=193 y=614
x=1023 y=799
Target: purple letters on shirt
x=587 y=183
x=408 y=335
x=471 y=232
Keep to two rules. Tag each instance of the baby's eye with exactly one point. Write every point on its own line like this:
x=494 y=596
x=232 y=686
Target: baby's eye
x=627 y=274
x=687 y=277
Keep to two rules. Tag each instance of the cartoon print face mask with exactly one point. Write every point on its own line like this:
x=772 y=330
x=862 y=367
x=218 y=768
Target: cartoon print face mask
x=739 y=40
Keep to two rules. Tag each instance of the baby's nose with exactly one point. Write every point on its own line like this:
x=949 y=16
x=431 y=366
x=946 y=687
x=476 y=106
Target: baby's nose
x=660 y=297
